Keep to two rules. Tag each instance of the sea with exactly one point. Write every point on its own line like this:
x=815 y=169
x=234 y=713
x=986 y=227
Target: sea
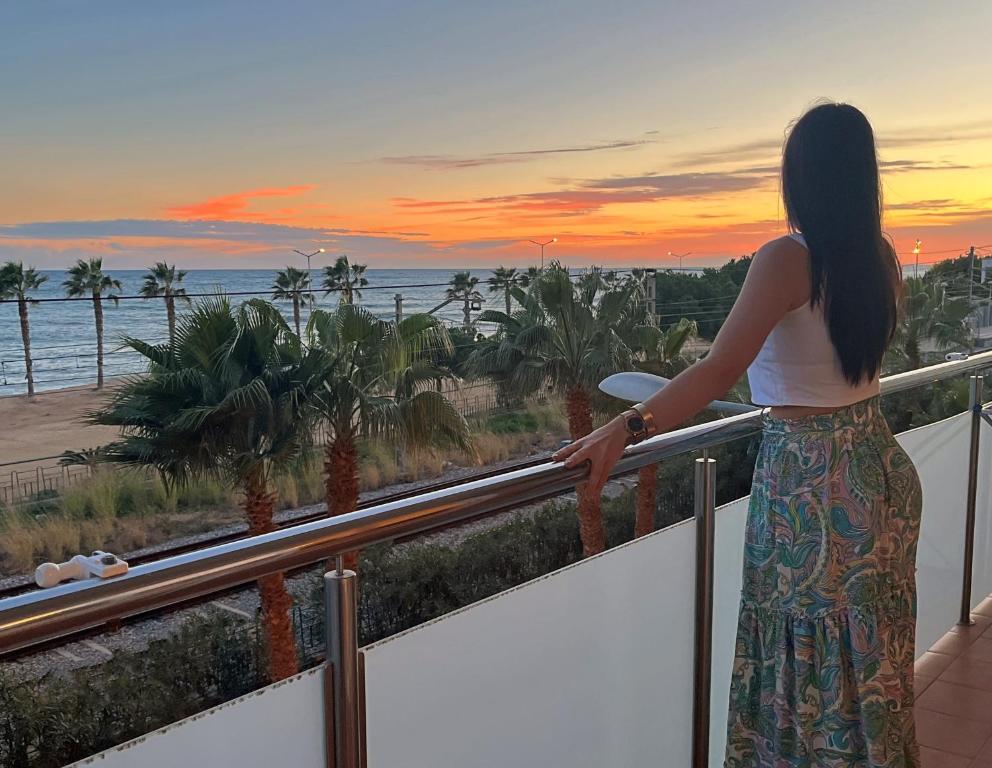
x=63 y=334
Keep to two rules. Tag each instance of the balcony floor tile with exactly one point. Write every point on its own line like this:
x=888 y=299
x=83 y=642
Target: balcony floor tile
x=954 y=696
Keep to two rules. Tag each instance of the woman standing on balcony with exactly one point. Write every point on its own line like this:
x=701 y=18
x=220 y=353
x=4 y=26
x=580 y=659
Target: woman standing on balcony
x=823 y=669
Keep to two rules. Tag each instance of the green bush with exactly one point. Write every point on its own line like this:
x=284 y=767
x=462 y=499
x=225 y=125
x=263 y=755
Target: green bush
x=512 y=422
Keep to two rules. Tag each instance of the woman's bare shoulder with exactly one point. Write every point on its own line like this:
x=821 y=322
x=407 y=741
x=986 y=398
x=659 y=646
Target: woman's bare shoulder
x=784 y=263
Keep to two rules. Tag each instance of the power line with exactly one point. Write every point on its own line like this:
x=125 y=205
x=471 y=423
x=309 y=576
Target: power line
x=268 y=292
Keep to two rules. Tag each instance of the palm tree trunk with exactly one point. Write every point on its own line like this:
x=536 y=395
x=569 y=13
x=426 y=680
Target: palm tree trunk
x=647 y=493
x=341 y=483
x=22 y=311
x=296 y=312
x=590 y=514
x=468 y=316
x=276 y=603
x=508 y=305
x=170 y=311
x=98 y=316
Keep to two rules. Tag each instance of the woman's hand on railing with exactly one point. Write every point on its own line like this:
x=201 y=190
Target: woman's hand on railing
x=602 y=448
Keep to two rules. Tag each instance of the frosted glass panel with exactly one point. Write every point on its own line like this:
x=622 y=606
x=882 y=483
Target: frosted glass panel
x=280 y=725
x=940 y=453
x=588 y=667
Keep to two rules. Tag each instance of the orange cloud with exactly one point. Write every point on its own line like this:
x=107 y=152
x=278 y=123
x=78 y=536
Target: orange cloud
x=235 y=206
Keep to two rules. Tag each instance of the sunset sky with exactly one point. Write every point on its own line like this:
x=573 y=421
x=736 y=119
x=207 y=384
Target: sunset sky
x=417 y=134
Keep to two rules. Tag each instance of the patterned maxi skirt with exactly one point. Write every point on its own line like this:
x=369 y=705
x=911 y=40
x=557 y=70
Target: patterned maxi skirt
x=823 y=668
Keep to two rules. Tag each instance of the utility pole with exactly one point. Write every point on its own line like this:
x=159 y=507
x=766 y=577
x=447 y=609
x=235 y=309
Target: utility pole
x=916 y=252
x=650 y=293
x=971 y=290
x=971 y=273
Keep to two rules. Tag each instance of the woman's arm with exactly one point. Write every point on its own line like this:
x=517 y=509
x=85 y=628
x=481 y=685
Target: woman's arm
x=777 y=282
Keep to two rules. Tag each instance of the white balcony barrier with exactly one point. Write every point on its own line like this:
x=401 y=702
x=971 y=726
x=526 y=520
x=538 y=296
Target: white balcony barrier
x=590 y=666
x=280 y=726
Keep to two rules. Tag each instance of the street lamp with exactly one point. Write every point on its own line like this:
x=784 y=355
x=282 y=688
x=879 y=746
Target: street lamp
x=680 y=256
x=916 y=252
x=552 y=240
x=309 y=256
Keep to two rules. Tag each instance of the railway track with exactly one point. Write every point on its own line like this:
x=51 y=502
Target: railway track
x=27 y=585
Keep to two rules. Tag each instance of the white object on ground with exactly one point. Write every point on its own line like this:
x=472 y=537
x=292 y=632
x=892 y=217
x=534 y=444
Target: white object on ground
x=637 y=386
x=99 y=565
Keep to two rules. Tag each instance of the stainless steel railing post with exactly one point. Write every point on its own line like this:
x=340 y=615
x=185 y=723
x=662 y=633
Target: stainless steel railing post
x=705 y=504
x=975 y=404
x=342 y=709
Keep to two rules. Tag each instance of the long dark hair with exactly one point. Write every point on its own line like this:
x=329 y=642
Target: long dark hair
x=833 y=196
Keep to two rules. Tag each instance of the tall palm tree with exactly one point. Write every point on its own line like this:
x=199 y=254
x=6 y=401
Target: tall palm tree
x=503 y=279
x=463 y=287
x=227 y=399
x=566 y=338
x=376 y=382
x=661 y=353
x=290 y=285
x=927 y=315
x=87 y=278
x=163 y=280
x=345 y=278
x=15 y=283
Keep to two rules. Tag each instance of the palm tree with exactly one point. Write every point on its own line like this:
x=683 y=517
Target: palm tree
x=503 y=279
x=529 y=277
x=927 y=315
x=163 y=280
x=290 y=285
x=15 y=283
x=376 y=382
x=566 y=338
x=346 y=278
x=662 y=354
x=463 y=287
x=227 y=399
x=87 y=278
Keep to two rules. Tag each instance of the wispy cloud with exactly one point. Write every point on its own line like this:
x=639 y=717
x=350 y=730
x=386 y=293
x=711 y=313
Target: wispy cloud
x=770 y=148
x=948 y=133
x=455 y=162
x=747 y=151
x=898 y=166
x=589 y=195
x=237 y=204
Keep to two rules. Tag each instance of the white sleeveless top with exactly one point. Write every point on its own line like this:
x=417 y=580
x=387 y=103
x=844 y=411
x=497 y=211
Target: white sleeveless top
x=798 y=365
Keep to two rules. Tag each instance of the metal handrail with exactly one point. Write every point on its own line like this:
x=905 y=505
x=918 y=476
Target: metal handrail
x=37 y=617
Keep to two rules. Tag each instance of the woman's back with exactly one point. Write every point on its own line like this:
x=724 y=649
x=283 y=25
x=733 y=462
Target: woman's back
x=798 y=364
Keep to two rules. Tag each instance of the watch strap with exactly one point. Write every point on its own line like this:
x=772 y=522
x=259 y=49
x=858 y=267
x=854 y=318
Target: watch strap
x=650 y=428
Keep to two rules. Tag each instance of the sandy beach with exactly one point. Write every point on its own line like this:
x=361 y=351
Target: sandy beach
x=50 y=423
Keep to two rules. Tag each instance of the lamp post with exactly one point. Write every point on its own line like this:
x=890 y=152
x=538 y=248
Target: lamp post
x=552 y=240
x=680 y=256
x=916 y=252
x=309 y=256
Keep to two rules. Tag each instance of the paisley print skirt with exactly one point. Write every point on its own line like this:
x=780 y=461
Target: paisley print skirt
x=823 y=668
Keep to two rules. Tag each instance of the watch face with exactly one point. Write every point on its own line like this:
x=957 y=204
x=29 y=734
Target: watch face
x=635 y=424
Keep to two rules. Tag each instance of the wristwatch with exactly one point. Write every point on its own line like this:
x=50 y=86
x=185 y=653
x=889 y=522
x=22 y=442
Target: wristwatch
x=639 y=423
